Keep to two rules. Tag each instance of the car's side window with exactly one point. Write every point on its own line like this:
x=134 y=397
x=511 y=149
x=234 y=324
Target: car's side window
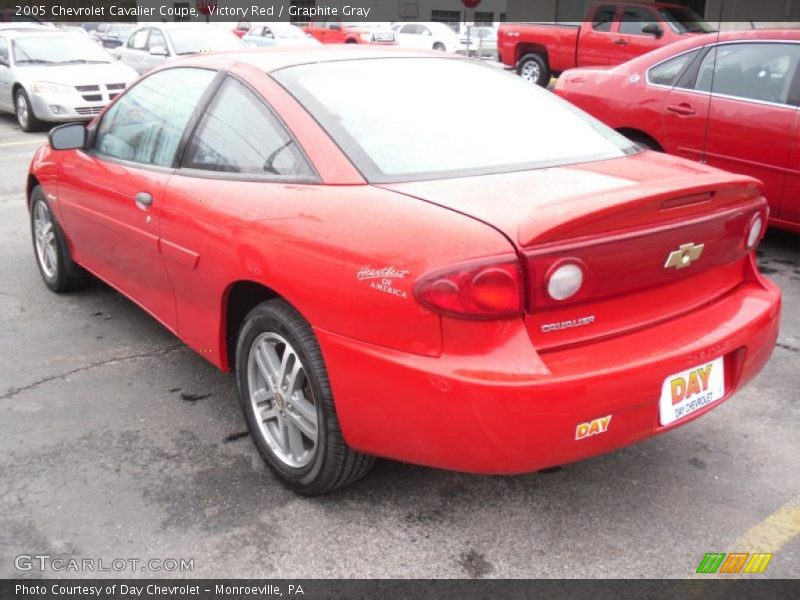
x=156 y=40
x=138 y=40
x=634 y=19
x=668 y=72
x=604 y=17
x=753 y=71
x=410 y=28
x=239 y=134
x=147 y=123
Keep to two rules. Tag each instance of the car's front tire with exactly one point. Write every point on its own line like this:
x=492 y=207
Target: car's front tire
x=59 y=272
x=287 y=402
x=24 y=112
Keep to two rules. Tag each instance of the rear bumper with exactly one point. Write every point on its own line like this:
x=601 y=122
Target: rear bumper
x=511 y=410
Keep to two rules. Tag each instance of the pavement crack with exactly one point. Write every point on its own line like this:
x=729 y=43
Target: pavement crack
x=102 y=363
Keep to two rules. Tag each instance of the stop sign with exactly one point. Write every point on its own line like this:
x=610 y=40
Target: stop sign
x=206 y=6
x=470 y=3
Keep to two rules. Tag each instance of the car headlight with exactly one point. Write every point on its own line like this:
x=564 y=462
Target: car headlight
x=44 y=87
x=366 y=37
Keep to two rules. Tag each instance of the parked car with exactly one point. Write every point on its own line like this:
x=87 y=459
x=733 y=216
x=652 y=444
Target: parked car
x=612 y=33
x=428 y=36
x=115 y=35
x=154 y=43
x=49 y=76
x=479 y=41
x=382 y=285
x=340 y=32
x=278 y=34
x=730 y=101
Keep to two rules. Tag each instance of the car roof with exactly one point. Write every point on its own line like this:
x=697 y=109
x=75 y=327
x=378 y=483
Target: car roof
x=275 y=58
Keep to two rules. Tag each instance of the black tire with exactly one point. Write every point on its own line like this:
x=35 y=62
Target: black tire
x=30 y=124
x=67 y=276
x=439 y=46
x=534 y=68
x=333 y=464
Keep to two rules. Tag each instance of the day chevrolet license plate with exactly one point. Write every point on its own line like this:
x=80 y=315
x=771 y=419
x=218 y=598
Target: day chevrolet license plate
x=690 y=390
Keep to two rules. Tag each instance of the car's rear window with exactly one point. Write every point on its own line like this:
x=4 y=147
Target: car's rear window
x=402 y=119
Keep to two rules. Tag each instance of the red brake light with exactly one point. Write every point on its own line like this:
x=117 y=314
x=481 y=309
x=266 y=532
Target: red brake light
x=477 y=290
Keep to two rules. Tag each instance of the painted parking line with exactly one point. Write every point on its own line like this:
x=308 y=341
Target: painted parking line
x=36 y=141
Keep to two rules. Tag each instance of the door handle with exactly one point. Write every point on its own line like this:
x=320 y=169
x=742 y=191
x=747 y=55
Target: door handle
x=621 y=42
x=143 y=200
x=681 y=109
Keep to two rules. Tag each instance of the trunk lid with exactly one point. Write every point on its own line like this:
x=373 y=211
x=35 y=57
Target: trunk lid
x=654 y=236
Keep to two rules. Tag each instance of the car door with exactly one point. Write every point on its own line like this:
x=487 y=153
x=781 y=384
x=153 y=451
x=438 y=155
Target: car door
x=752 y=118
x=789 y=210
x=6 y=76
x=596 y=37
x=630 y=41
x=407 y=35
x=134 y=51
x=684 y=109
x=110 y=195
x=241 y=164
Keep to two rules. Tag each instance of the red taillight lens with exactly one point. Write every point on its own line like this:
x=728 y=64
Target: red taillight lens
x=477 y=290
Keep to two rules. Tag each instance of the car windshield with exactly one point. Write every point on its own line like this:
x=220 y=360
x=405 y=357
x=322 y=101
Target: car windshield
x=424 y=127
x=203 y=40
x=684 y=20
x=55 y=49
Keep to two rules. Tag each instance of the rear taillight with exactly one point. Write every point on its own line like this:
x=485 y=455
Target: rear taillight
x=488 y=289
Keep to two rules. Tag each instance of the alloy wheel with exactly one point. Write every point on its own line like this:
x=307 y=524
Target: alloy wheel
x=282 y=399
x=531 y=72
x=45 y=239
x=22 y=111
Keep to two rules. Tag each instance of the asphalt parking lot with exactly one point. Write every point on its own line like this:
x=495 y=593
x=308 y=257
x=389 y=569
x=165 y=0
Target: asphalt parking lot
x=116 y=441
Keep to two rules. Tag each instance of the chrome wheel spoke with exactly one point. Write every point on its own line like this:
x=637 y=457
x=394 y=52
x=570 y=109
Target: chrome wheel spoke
x=296 y=378
x=304 y=408
x=45 y=239
x=295 y=442
x=301 y=424
x=261 y=396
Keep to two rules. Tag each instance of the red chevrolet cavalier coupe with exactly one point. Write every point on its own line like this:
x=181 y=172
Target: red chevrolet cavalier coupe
x=729 y=100
x=322 y=223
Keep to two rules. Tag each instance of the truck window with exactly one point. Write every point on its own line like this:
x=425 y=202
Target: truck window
x=634 y=19
x=604 y=17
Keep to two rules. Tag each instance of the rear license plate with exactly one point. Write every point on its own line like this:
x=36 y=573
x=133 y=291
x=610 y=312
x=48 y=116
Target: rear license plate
x=690 y=390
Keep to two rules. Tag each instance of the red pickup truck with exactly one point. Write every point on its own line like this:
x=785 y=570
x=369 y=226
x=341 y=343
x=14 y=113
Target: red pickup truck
x=612 y=33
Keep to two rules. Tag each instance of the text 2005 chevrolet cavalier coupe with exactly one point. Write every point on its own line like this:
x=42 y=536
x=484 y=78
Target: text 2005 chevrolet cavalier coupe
x=321 y=223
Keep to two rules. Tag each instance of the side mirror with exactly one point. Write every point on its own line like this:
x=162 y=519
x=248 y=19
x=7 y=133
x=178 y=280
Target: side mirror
x=158 y=51
x=71 y=136
x=652 y=29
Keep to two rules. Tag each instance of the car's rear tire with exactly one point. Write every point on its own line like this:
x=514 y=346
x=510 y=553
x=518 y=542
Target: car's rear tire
x=59 y=272
x=288 y=405
x=439 y=46
x=534 y=68
x=24 y=112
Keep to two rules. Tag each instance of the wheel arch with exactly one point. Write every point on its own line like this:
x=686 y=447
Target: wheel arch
x=527 y=48
x=31 y=183
x=639 y=135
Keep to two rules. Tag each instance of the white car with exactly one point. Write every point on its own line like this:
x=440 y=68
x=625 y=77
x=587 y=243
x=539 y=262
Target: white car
x=278 y=34
x=152 y=44
x=52 y=76
x=428 y=36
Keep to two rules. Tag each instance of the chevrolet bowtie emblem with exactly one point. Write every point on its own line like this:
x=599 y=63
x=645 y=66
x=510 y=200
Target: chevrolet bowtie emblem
x=685 y=255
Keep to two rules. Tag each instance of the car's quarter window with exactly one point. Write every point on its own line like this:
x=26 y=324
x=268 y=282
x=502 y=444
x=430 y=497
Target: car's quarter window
x=3 y=51
x=420 y=130
x=604 y=17
x=668 y=72
x=754 y=71
x=146 y=124
x=634 y=19
x=138 y=41
x=239 y=134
